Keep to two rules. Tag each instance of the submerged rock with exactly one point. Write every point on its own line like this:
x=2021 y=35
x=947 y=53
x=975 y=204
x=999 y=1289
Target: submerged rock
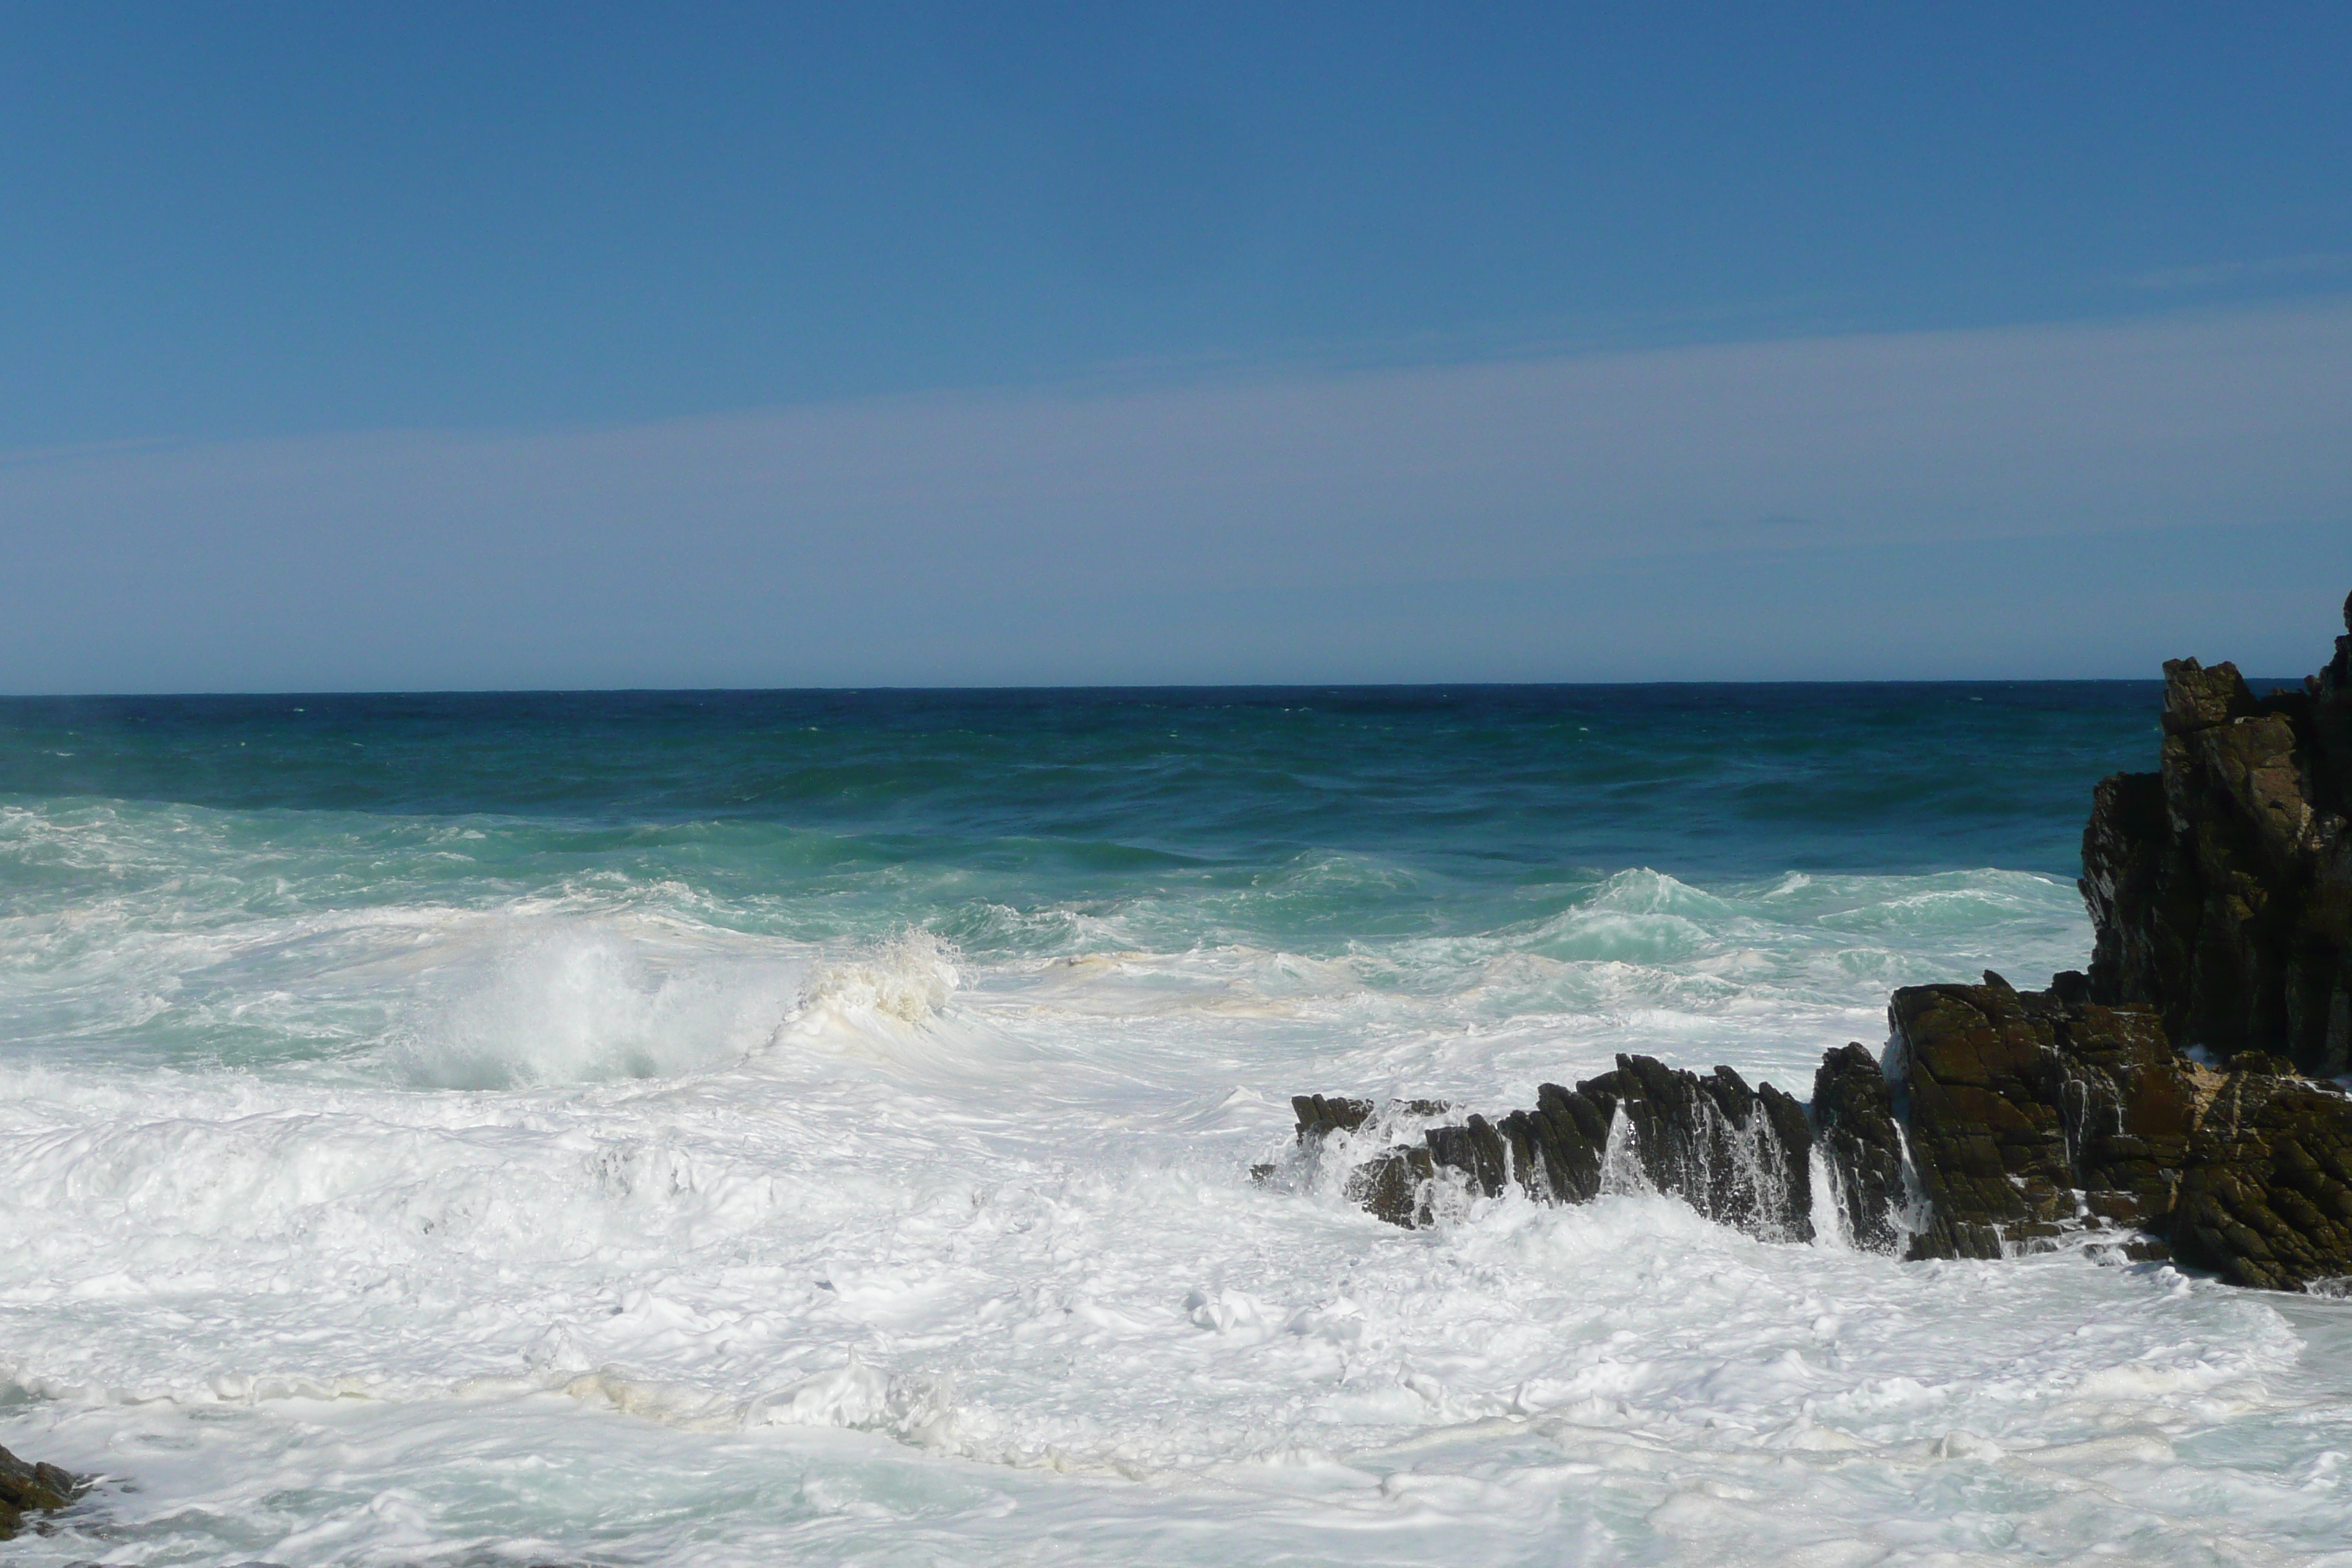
x=31 y=1489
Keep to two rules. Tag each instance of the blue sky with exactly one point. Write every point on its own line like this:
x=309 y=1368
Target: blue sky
x=943 y=344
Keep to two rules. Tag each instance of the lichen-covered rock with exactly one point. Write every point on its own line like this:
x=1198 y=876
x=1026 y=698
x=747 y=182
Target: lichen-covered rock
x=2222 y=886
x=26 y=1487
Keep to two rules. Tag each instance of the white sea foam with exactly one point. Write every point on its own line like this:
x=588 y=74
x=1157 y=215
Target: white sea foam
x=601 y=1230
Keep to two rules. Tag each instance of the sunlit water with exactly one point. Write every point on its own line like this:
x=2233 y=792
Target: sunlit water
x=764 y=1128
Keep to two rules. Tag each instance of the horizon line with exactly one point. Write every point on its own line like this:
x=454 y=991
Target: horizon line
x=325 y=694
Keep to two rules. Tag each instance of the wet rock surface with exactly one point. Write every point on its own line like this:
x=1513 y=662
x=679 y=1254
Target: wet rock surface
x=2266 y=1197
x=2000 y=1120
x=27 y=1487
x=1862 y=1146
x=2034 y=1113
x=1737 y=1155
x=2245 y=1170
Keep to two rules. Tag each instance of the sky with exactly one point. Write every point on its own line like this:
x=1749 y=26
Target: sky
x=424 y=346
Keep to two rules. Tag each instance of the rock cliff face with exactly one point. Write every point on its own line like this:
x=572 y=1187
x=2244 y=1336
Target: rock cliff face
x=2222 y=886
x=1997 y=1121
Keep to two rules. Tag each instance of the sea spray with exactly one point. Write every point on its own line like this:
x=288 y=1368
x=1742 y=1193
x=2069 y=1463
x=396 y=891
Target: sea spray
x=976 y=1268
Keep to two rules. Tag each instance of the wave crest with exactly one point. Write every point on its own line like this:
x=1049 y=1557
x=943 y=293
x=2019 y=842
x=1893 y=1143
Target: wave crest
x=909 y=977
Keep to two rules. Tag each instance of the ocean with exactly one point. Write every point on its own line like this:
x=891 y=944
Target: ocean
x=754 y=1128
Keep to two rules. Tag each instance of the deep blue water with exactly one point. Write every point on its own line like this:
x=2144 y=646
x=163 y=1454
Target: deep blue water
x=1474 y=782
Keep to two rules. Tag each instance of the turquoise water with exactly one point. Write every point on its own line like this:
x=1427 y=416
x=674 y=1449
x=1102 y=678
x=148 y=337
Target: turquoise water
x=745 y=1127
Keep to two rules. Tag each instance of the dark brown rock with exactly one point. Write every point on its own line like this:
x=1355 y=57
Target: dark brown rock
x=1319 y=1116
x=2220 y=889
x=2126 y=1102
x=2222 y=886
x=1969 y=1063
x=1737 y=1155
x=1853 y=1118
x=1394 y=1185
x=2267 y=1199
x=2030 y=1115
x=26 y=1487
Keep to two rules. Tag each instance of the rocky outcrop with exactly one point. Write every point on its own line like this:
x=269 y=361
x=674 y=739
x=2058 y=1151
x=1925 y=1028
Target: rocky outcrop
x=2265 y=1193
x=31 y=1489
x=1738 y=1155
x=1862 y=1149
x=2220 y=886
x=2001 y=1121
x=2035 y=1113
x=2040 y=1114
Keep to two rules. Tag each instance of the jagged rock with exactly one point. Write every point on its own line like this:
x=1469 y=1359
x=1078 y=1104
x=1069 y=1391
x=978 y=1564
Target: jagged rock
x=1393 y=1183
x=2032 y=1114
x=2222 y=886
x=2126 y=1102
x=28 y=1487
x=1969 y=1064
x=1853 y=1121
x=2267 y=1199
x=1737 y=1155
x=2220 y=889
x=1319 y=1116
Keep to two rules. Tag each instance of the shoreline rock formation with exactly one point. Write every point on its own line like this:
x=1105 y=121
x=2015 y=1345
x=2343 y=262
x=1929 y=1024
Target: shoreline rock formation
x=2000 y=1120
x=2221 y=885
x=31 y=1489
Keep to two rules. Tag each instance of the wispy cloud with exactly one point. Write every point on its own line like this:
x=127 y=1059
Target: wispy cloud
x=2269 y=269
x=1004 y=536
